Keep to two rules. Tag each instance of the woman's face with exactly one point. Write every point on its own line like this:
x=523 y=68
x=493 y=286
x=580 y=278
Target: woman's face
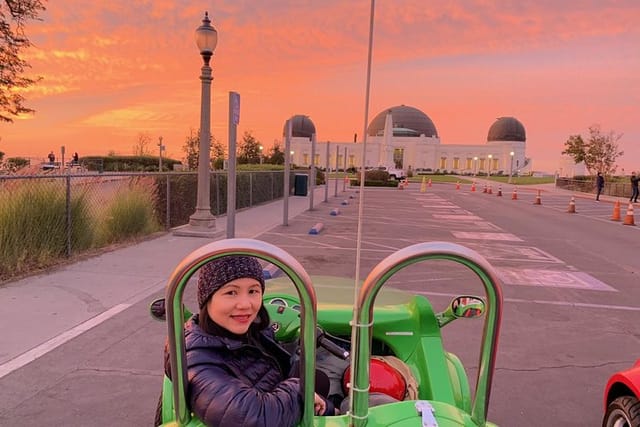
x=235 y=305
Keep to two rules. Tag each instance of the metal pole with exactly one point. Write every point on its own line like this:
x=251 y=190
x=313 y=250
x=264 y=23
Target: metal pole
x=168 y=219
x=234 y=106
x=312 y=171
x=344 y=183
x=326 y=176
x=335 y=193
x=287 y=168
x=160 y=155
x=68 y=207
x=202 y=217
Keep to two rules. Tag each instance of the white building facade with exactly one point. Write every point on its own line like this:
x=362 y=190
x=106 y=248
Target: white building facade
x=406 y=138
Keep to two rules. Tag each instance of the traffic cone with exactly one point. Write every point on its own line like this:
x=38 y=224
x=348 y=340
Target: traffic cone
x=538 y=201
x=514 y=195
x=429 y=182
x=401 y=185
x=484 y=190
x=499 y=190
x=616 y=211
x=628 y=219
x=473 y=187
x=572 y=205
x=457 y=185
x=490 y=190
x=423 y=186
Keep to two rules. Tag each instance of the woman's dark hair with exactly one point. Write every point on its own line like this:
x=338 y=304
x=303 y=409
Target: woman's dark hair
x=261 y=322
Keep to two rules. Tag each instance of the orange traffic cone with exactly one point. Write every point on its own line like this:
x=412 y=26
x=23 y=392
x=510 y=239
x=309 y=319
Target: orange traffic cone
x=490 y=191
x=423 y=185
x=616 y=211
x=484 y=190
x=457 y=185
x=628 y=219
x=429 y=182
x=499 y=190
x=514 y=195
x=401 y=185
x=473 y=187
x=572 y=205
x=538 y=201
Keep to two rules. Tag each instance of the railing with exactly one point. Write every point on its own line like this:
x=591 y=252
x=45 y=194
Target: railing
x=615 y=189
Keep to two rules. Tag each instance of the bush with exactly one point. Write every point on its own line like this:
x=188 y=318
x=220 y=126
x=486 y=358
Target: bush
x=129 y=215
x=33 y=226
x=376 y=175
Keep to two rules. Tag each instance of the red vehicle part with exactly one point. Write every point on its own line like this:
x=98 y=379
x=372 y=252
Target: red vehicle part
x=384 y=379
x=622 y=398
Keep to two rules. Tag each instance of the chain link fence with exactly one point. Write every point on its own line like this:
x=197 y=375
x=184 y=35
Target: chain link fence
x=46 y=218
x=615 y=189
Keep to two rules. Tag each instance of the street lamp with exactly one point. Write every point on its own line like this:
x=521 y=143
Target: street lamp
x=475 y=166
x=160 y=148
x=511 y=168
x=490 y=156
x=206 y=40
x=260 y=148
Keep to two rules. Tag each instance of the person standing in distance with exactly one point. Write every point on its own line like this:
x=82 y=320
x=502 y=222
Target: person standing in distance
x=599 y=185
x=634 y=187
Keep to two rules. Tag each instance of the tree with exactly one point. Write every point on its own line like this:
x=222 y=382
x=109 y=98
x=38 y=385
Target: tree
x=142 y=145
x=191 y=149
x=276 y=155
x=13 y=16
x=249 y=149
x=598 y=154
x=218 y=153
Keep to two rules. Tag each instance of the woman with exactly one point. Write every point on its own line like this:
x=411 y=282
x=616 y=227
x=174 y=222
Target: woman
x=237 y=372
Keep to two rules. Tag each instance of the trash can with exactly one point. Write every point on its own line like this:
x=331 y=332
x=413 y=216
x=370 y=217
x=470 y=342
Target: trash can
x=300 y=185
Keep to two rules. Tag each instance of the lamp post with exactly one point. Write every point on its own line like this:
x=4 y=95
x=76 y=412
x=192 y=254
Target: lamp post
x=260 y=148
x=511 y=167
x=160 y=149
x=206 y=40
x=475 y=166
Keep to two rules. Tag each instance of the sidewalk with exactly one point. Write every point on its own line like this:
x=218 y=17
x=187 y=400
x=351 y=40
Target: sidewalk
x=51 y=308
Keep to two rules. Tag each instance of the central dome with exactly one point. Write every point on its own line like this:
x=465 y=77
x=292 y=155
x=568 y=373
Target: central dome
x=507 y=129
x=407 y=121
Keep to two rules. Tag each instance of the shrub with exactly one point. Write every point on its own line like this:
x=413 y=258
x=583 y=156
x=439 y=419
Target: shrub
x=129 y=215
x=376 y=175
x=33 y=226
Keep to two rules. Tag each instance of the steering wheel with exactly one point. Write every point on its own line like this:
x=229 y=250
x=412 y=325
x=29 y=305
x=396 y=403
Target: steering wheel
x=284 y=312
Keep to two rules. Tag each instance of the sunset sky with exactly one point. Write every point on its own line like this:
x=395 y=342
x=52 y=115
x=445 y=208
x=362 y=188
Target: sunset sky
x=113 y=70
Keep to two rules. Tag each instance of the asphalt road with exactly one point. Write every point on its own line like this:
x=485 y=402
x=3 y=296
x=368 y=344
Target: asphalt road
x=570 y=283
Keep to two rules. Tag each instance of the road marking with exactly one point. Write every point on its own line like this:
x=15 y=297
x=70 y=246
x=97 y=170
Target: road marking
x=486 y=236
x=551 y=278
x=36 y=352
x=458 y=217
x=502 y=252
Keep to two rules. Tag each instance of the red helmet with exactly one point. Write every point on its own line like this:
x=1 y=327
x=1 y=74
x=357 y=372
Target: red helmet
x=383 y=378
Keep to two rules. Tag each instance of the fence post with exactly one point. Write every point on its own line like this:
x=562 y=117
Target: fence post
x=251 y=189
x=168 y=219
x=216 y=177
x=68 y=210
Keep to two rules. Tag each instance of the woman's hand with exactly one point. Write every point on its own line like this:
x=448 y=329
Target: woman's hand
x=319 y=405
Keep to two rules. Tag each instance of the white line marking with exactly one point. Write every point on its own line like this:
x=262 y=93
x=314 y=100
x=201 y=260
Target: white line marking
x=36 y=352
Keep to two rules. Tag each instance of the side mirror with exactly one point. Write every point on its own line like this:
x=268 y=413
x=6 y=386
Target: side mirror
x=465 y=306
x=157 y=310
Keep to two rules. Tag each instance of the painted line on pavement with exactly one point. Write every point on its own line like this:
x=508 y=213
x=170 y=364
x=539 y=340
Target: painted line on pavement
x=36 y=352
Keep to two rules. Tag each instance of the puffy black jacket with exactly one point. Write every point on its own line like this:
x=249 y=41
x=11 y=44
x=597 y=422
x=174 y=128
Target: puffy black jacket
x=232 y=383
